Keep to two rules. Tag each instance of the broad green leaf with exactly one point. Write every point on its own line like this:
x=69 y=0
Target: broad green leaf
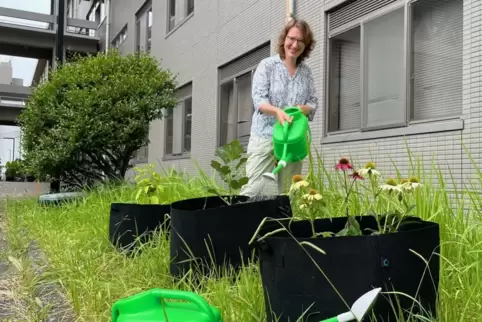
x=225 y=170
x=241 y=162
x=216 y=165
x=154 y=200
x=243 y=181
x=234 y=184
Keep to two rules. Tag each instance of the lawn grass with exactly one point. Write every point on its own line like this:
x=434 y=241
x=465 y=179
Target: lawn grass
x=94 y=275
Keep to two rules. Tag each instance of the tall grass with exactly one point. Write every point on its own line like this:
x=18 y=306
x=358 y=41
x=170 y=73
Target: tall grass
x=93 y=274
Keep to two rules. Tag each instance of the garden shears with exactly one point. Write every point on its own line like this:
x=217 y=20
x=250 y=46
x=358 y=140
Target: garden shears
x=359 y=309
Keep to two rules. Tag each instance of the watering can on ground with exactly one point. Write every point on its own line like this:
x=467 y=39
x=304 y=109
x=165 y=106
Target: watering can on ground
x=151 y=306
x=291 y=141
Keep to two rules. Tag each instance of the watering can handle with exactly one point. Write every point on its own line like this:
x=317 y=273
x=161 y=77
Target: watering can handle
x=186 y=296
x=286 y=126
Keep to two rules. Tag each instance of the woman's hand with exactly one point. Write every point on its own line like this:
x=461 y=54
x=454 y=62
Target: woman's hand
x=305 y=109
x=283 y=117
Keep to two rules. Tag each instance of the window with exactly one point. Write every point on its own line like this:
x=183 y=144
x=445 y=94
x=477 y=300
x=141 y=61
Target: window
x=144 y=28
x=177 y=12
x=189 y=7
x=149 y=29
x=172 y=14
x=120 y=38
x=235 y=101
x=141 y=155
x=97 y=13
x=178 y=125
x=394 y=69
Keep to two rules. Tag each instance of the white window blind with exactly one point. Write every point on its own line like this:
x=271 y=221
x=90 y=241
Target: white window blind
x=406 y=67
x=345 y=108
x=178 y=124
x=437 y=35
x=236 y=103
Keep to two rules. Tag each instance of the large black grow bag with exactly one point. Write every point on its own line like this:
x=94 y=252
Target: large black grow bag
x=207 y=233
x=132 y=223
x=354 y=265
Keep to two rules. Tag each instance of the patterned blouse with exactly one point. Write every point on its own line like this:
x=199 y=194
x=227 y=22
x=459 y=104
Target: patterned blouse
x=273 y=84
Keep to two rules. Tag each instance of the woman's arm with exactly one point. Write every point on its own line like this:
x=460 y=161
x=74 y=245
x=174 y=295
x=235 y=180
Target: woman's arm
x=260 y=93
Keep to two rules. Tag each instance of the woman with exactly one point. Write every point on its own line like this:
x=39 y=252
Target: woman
x=279 y=82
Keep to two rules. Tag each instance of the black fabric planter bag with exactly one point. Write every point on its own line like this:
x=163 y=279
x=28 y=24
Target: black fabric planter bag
x=216 y=233
x=354 y=265
x=129 y=220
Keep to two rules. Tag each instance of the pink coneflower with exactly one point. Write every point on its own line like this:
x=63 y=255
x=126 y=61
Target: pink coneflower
x=343 y=164
x=356 y=175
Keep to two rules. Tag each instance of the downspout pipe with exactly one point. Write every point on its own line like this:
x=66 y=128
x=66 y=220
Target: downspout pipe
x=107 y=26
x=60 y=31
x=290 y=9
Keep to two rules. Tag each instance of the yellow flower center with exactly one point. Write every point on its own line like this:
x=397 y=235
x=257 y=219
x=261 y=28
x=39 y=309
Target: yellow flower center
x=313 y=192
x=370 y=165
x=391 y=182
x=297 y=178
x=413 y=180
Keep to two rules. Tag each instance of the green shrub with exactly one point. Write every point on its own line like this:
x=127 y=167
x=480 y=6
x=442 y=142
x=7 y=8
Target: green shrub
x=84 y=124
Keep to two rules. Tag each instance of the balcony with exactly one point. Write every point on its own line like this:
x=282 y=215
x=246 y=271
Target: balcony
x=30 y=34
x=12 y=102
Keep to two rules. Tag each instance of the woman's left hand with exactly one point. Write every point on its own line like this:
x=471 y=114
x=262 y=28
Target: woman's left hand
x=305 y=109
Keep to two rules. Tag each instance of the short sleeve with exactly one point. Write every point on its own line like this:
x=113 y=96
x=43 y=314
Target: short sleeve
x=312 y=100
x=260 y=85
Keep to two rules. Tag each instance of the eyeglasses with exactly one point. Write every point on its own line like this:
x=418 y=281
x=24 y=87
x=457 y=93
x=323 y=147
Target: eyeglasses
x=293 y=39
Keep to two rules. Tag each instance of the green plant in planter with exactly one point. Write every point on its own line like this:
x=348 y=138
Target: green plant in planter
x=13 y=169
x=149 y=185
x=397 y=194
x=231 y=170
x=162 y=188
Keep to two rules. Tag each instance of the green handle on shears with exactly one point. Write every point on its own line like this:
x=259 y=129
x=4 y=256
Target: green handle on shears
x=335 y=319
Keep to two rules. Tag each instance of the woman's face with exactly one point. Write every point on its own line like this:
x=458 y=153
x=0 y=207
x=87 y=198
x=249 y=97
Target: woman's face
x=294 y=44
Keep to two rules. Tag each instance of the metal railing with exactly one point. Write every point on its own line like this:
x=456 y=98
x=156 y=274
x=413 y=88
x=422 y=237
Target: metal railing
x=46 y=22
x=11 y=102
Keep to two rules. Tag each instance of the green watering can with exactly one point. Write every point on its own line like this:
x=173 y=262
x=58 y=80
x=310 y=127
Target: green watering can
x=291 y=141
x=150 y=306
x=359 y=309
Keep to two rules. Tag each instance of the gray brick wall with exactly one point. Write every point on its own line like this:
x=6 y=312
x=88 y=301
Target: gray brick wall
x=224 y=29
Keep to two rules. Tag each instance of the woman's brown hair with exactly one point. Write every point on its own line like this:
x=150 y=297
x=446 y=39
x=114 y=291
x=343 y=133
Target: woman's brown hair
x=307 y=38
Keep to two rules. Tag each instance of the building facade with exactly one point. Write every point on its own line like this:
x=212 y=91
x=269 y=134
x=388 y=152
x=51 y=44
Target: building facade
x=389 y=75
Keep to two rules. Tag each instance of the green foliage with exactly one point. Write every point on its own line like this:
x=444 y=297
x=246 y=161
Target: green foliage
x=168 y=186
x=231 y=171
x=149 y=185
x=13 y=168
x=18 y=170
x=82 y=259
x=85 y=123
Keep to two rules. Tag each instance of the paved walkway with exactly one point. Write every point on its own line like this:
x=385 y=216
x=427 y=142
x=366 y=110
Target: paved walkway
x=6 y=283
x=24 y=294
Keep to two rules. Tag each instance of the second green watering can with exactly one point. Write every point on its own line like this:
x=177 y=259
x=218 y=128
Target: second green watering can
x=291 y=141
x=153 y=306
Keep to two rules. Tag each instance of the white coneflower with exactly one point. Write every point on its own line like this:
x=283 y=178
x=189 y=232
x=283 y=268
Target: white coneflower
x=390 y=185
x=411 y=184
x=312 y=195
x=369 y=170
x=298 y=182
